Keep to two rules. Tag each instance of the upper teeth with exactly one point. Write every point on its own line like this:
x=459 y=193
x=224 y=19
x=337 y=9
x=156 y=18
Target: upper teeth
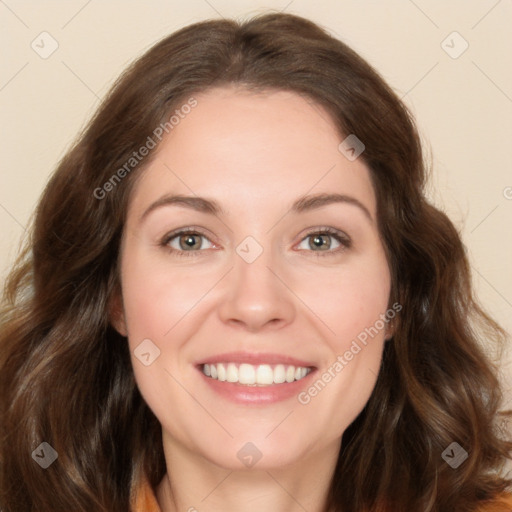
x=263 y=374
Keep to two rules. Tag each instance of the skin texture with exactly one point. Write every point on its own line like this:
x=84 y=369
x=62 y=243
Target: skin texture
x=255 y=154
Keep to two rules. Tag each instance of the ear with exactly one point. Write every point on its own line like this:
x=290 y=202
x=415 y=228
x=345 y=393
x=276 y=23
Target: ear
x=389 y=334
x=116 y=314
x=392 y=317
x=390 y=329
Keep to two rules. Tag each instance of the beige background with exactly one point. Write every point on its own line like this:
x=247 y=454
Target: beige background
x=463 y=105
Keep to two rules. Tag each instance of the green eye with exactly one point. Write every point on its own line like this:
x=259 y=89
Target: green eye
x=184 y=242
x=322 y=239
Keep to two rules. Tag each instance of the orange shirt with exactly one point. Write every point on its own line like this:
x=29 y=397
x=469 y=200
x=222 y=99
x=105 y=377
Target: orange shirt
x=145 y=501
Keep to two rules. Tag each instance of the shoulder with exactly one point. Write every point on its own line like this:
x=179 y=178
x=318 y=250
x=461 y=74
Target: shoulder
x=501 y=504
x=144 y=499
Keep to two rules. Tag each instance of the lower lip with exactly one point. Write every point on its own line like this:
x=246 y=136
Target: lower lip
x=254 y=395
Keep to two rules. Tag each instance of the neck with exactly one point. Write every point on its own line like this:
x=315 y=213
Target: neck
x=195 y=484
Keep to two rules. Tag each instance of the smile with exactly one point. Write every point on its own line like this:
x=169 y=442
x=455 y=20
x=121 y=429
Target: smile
x=255 y=375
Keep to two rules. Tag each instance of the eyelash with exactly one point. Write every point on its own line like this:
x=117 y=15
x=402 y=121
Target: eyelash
x=339 y=236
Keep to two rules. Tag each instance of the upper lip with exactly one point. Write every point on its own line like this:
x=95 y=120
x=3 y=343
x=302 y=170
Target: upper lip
x=255 y=358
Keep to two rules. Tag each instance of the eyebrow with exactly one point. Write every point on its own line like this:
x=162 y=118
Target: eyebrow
x=211 y=207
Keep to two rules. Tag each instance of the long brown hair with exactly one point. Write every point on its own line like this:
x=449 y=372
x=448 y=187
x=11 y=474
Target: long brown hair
x=65 y=373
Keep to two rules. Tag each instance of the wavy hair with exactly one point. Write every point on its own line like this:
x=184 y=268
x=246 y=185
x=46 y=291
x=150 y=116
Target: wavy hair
x=65 y=373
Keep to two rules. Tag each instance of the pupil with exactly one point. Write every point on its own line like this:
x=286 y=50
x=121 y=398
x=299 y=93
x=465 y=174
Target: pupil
x=189 y=240
x=318 y=240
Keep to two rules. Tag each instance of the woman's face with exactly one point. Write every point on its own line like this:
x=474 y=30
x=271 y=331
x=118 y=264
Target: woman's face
x=258 y=291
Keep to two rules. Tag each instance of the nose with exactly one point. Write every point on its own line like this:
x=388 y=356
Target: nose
x=257 y=296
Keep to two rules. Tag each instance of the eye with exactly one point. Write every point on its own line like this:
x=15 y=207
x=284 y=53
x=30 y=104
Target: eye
x=189 y=242
x=322 y=239
x=185 y=242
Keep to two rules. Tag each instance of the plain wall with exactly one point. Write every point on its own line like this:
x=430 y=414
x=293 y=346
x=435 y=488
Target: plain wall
x=462 y=103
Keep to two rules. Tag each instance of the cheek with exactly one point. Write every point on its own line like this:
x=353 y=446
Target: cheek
x=157 y=298
x=158 y=303
x=352 y=304
x=350 y=300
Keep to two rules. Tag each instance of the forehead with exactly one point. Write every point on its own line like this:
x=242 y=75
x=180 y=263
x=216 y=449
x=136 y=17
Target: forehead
x=248 y=148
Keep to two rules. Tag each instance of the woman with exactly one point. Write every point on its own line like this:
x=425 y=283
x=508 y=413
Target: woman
x=171 y=341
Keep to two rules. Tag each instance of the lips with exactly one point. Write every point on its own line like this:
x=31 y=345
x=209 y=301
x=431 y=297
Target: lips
x=256 y=359
x=255 y=378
